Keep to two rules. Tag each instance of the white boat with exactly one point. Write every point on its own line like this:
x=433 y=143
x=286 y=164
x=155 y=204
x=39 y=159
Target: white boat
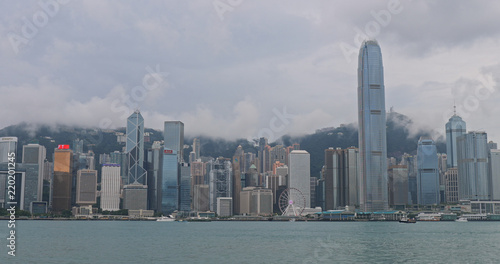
x=462 y=219
x=169 y=218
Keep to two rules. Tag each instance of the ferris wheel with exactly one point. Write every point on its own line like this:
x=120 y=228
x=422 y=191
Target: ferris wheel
x=292 y=202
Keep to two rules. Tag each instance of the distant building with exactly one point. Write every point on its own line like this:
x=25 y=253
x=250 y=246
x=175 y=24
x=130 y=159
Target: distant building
x=201 y=201
x=36 y=154
x=495 y=174
x=170 y=181
x=299 y=175
x=7 y=145
x=220 y=181
x=224 y=206
x=135 y=149
x=398 y=185
x=110 y=187
x=174 y=137
x=154 y=167
x=63 y=180
x=135 y=197
x=427 y=172
x=196 y=148
x=473 y=170
x=451 y=183
x=372 y=129
x=120 y=158
x=86 y=187
x=455 y=128
x=411 y=163
x=185 y=188
x=492 y=145
x=261 y=202
x=341 y=178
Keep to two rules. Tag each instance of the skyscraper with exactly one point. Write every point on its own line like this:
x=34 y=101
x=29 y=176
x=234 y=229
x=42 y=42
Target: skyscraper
x=86 y=187
x=473 y=171
x=427 y=172
x=63 y=179
x=154 y=168
x=372 y=128
x=174 y=137
x=221 y=184
x=135 y=149
x=7 y=145
x=196 y=148
x=170 y=181
x=110 y=187
x=454 y=128
x=36 y=154
x=300 y=176
x=495 y=174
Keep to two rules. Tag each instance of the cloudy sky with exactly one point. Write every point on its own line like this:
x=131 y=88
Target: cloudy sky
x=245 y=68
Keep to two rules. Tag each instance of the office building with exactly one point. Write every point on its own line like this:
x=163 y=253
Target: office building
x=7 y=145
x=495 y=174
x=220 y=181
x=135 y=149
x=173 y=137
x=201 y=200
x=86 y=187
x=170 y=181
x=36 y=154
x=398 y=185
x=185 y=188
x=224 y=206
x=153 y=166
x=299 y=176
x=427 y=172
x=120 y=158
x=135 y=197
x=62 y=179
x=110 y=187
x=372 y=129
x=451 y=183
x=473 y=170
x=454 y=128
x=196 y=148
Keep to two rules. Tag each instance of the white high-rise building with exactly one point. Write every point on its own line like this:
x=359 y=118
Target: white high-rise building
x=299 y=176
x=110 y=187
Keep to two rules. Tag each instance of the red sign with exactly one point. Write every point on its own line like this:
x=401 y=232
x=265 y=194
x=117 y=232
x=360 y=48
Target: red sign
x=63 y=147
x=168 y=151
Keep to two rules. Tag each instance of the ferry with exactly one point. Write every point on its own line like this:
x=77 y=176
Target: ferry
x=169 y=218
x=408 y=220
x=462 y=220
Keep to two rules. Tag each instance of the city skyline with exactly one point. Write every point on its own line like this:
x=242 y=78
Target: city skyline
x=252 y=56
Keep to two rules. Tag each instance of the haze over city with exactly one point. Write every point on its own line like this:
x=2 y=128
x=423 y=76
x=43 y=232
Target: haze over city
x=227 y=69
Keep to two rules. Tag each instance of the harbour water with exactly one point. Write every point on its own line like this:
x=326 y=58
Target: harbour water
x=252 y=242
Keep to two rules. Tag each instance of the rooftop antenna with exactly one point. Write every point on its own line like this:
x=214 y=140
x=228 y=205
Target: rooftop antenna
x=454 y=108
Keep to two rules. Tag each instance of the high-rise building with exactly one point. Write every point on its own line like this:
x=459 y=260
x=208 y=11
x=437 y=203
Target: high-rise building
x=120 y=158
x=427 y=172
x=398 y=185
x=135 y=149
x=201 y=201
x=454 y=128
x=196 y=148
x=220 y=181
x=170 y=181
x=473 y=178
x=110 y=187
x=86 y=187
x=174 y=137
x=236 y=182
x=185 y=188
x=77 y=146
x=7 y=146
x=135 y=197
x=299 y=176
x=495 y=174
x=278 y=153
x=224 y=206
x=341 y=181
x=492 y=145
x=63 y=179
x=154 y=169
x=451 y=183
x=36 y=154
x=411 y=163
x=372 y=129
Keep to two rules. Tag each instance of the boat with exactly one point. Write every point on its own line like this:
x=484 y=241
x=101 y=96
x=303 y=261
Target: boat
x=291 y=220
x=462 y=220
x=169 y=218
x=408 y=220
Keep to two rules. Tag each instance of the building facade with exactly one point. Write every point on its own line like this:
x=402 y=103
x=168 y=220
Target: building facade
x=299 y=176
x=454 y=128
x=110 y=187
x=427 y=172
x=372 y=129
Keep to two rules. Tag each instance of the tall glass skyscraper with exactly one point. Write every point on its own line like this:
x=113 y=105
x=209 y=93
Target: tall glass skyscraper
x=135 y=149
x=372 y=129
x=474 y=181
x=427 y=172
x=454 y=128
x=174 y=137
x=170 y=182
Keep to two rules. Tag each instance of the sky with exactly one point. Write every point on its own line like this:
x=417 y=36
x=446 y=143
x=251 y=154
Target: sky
x=246 y=69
